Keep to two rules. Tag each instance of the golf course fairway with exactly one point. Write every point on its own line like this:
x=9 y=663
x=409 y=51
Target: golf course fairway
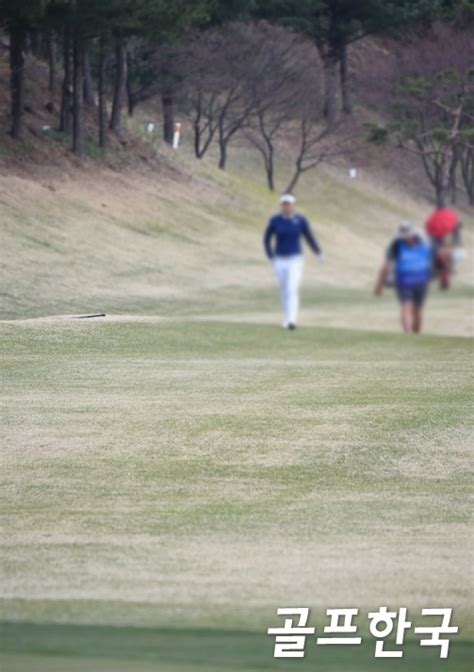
x=170 y=483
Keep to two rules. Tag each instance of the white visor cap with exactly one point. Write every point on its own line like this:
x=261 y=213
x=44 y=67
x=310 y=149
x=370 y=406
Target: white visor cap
x=288 y=198
x=406 y=229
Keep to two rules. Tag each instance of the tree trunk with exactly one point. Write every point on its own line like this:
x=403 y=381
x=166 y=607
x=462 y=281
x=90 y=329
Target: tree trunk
x=298 y=172
x=51 y=56
x=330 y=93
x=131 y=105
x=89 y=95
x=17 y=78
x=448 y=156
x=441 y=181
x=120 y=87
x=269 y=163
x=442 y=190
x=467 y=172
x=346 y=82
x=66 y=104
x=267 y=152
x=453 y=176
x=222 y=140
x=204 y=131
x=202 y=142
x=197 y=142
x=103 y=126
x=222 y=153
x=167 y=99
x=270 y=175
x=168 y=115
x=131 y=99
x=294 y=180
x=35 y=43
x=78 y=141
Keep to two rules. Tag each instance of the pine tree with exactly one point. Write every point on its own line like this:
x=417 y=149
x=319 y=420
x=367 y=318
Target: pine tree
x=335 y=24
x=20 y=17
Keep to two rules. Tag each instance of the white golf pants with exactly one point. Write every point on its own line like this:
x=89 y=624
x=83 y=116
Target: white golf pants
x=289 y=271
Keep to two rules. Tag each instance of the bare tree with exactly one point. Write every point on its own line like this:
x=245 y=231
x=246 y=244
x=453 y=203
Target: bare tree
x=312 y=151
x=263 y=138
x=241 y=48
x=204 y=121
x=201 y=90
x=144 y=66
x=261 y=83
x=232 y=117
x=218 y=88
x=287 y=116
x=287 y=69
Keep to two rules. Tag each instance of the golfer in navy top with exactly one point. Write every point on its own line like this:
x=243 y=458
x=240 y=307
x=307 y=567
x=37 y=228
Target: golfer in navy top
x=286 y=254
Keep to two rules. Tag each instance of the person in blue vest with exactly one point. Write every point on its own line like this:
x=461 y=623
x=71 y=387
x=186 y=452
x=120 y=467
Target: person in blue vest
x=282 y=243
x=410 y=257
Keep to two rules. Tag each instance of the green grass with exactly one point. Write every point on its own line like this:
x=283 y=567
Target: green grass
x=88 y=649
x=170 y=484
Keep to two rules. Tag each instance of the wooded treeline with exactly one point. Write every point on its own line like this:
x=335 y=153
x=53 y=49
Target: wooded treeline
x=259 y=69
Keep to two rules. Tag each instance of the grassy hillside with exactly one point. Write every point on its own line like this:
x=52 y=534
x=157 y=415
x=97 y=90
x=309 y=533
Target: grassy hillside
x=186 y=240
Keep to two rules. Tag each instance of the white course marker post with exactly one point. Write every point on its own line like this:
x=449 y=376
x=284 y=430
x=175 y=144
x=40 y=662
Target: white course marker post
x=177 y=135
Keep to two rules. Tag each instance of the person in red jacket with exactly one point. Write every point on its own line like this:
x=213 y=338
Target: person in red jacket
x=444 y=229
